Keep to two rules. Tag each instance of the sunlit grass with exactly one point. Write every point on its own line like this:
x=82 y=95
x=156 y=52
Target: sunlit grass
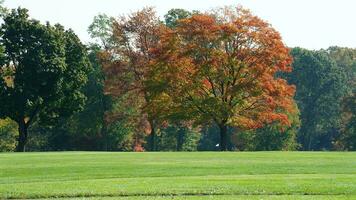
x=196 y=175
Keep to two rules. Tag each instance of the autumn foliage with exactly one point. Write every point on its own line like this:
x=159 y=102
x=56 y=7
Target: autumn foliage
x=222 y=67
x=219 y=67
x=126 y=66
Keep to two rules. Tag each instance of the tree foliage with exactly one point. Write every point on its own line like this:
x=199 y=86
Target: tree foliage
x=272 y=137
x=174 y=15
x=101 y=30
x=8 y=132
x=221 y=68
x=345 y=59
x=43 y=68
x=126 y=67
x=321 y=85
x=219 y=80
x=178 y=138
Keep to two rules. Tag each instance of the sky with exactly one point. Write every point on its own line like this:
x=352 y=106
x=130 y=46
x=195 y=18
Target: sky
x=311 y=24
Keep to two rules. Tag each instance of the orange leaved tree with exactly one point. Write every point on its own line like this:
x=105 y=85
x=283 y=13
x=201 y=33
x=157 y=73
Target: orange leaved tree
x=222 y=67
x=126 y=65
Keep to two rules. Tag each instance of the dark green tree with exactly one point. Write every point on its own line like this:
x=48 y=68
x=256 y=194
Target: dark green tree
x=46 y=69
x=173 y=15
x=84 y=130
x=210 y=139
x=178 y=137
x=345 y=59
x=347 y=138
x=320 y=84
x=116 y=130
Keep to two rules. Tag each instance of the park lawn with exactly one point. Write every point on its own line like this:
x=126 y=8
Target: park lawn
x=174 y=175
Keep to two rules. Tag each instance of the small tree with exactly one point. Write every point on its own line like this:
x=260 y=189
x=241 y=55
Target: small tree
x=8 y=131
x=43 y=69
x=126 y=66
x=221 y=67
x=174 y=15
x=347 y=138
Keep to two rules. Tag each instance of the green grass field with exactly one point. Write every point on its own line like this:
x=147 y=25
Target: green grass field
x=195 y=175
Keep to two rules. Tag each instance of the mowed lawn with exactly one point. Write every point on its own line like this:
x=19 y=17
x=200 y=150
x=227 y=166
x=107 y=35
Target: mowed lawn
x=189 y=175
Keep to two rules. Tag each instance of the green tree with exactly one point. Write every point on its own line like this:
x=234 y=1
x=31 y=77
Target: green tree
x=46 y=67
x=3 y=9
x=86 y=129
x=8 y=131
x=178 y=137
x=345 y=59
x=347 y=138
x=174 y=15
x=116 y=124
x=92 y=119
x=321 y=84
x=101 y=30
x=209 y=139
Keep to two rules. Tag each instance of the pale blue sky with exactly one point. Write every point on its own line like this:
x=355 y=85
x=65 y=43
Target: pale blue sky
x=312 y=24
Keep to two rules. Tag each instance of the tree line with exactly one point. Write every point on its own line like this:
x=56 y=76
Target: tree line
x=216 y=80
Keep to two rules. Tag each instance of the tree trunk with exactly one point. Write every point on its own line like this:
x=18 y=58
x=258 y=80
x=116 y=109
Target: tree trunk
x=151 y=138
x=223 y=137
x=104 y=124
x=22 y=140
x=180 y=139
x=104 y=127
x=307 y=140
x=104 y=134
x=310 y=139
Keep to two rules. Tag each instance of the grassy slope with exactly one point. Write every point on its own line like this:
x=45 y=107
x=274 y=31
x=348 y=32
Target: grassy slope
x=231 y=175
